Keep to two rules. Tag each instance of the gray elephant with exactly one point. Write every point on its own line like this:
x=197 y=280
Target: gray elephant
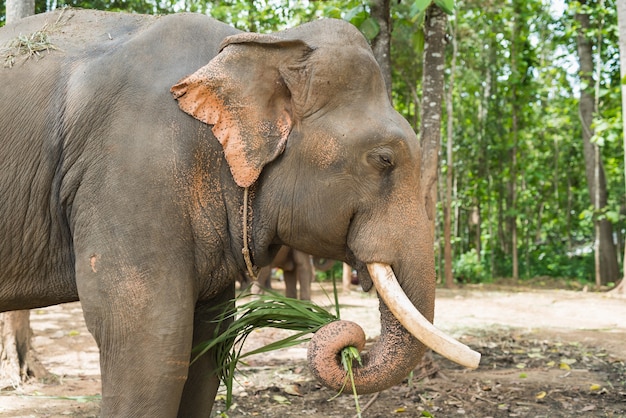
x=126 y=151
x=298 y=272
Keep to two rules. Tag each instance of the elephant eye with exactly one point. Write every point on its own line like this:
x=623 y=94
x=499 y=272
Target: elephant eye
x=386 y=160
x=382 y=159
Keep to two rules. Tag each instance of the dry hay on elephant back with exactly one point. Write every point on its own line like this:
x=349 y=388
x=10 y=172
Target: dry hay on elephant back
x=27 y=46
x=31 y=45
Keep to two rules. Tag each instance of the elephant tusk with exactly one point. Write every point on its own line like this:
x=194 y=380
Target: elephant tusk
x=407 y=314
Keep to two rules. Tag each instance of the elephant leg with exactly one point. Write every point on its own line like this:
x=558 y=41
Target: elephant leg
x=291 y=287
x=202 y=384
x=144 y=332
x=305 y=274
x=284 y=259
x=346 y=277
x=144 y=367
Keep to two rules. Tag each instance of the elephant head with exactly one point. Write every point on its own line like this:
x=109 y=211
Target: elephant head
x=305 y=121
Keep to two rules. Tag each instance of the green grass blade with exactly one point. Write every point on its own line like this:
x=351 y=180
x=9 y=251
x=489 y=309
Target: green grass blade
x=271 y=310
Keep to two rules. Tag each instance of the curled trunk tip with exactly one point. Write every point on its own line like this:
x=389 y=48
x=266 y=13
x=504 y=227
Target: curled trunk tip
x=404 y=334
x=324 y=352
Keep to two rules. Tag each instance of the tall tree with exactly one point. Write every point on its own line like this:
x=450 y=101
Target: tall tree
x=621 y=23
x=18 y=9
x=515 y=131
x=432 y=98
x=381 y=44
x=607 y=269
x=447 y=209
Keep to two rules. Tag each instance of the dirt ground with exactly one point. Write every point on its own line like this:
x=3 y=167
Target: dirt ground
x=546 y=353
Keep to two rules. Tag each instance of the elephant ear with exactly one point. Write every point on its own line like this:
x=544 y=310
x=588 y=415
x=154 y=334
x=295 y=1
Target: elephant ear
x=242 y=93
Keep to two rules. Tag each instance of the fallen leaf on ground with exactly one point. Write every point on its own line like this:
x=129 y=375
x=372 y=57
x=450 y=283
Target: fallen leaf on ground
x=281 y=399
x=292 y=390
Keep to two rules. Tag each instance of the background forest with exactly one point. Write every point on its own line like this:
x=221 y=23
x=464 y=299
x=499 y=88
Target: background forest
x=532 y=160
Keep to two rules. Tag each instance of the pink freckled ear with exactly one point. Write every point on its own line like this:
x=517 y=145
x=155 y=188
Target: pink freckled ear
x=241 y=93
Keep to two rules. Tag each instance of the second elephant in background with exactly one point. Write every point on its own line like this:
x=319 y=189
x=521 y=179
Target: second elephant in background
x=298 y=268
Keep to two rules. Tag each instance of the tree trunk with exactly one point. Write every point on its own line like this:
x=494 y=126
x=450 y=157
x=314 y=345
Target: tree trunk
x=483 y=114
x=621 y=24
x=513 y=189
x=515 y=128
x=17 y=362
x=432 y=98
x=18 y=9
x=435 y=24
x=447 y=211
x=594 y=170
x=381 y=44
x=620 y=289
x=477 y=220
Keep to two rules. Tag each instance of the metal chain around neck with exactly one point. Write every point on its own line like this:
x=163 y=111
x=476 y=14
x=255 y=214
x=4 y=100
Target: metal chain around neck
x=246 y=251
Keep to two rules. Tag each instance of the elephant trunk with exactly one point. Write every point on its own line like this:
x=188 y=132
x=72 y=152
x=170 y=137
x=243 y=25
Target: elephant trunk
x=404 y=334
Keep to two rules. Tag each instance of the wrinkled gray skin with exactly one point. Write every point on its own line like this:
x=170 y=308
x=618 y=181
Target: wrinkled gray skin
x=112 y=195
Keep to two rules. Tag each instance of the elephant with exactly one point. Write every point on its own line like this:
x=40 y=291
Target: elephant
x=298 y=272
x=147 y=161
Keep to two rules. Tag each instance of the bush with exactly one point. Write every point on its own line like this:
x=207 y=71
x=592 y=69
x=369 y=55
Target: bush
x=468 y=269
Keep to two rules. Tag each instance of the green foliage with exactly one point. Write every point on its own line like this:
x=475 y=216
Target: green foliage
x=522 y=55
x=514 y=58
x=362 y=20
x=271 y=310
x=550 y=261
x=136 y=6
x=249 y=313
x=446 y=5
x=348 y=356
x=468 y=268
x=336 y=271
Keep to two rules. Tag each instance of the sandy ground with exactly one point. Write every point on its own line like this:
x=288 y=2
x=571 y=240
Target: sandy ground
x=69 y=353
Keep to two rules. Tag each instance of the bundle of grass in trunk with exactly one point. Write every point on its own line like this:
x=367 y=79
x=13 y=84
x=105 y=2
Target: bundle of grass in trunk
x=270 y=310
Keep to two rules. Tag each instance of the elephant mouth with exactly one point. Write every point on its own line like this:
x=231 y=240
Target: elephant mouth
x=363 y=274
x=413 y=321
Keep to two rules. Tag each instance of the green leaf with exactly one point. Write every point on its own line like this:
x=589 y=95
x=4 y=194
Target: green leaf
x=417 y=40
x=356 y=16
x=281 y=399
x=348 y=355
x=421 y=5
x=332 y=12
x=446 y=5
x=370 y=28
x=269 y=310
x=612 y=216
x=417 y=13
